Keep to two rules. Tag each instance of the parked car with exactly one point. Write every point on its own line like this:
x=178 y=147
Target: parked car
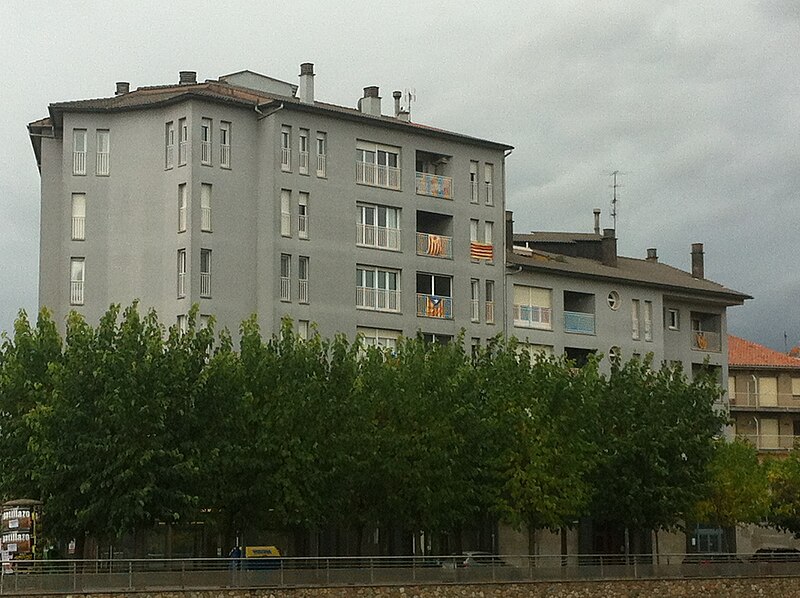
x=776 y=555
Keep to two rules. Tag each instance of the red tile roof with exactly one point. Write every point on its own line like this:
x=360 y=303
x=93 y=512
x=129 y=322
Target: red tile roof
x=742 y=352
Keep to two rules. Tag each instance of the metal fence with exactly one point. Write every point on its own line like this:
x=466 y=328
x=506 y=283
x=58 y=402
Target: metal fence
x=30 y=578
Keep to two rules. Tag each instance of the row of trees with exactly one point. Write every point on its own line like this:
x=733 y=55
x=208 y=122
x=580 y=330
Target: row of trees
x=123 y=425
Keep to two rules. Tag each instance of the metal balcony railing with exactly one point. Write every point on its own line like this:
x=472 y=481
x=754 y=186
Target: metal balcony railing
x=474 y=197
x=490 y=312
x=302 y=162
x=286 y=289
x=79 y=162
x=78 y=228
x=286 y=224
x=286 y=159
x=377 y=175
x=383 y=237
x=225 y=156
x=182 y=148
x=205 y=284
x=378 y=299
x=302 y=226
x=533 y=316
x=322 y=166
x=489 y=194
x=103 y=165
x=181 y=284
x=578 y=322
x=181 y=219
x=435 y=245
x=771 y=442
x=76 y=292
x=205 y=219
x=475 y=311
x=205 y=152
x=169 y=156
x=706 y=341
x=777 y=401
x=434 y=306
x=434 y=185
x=302 y=291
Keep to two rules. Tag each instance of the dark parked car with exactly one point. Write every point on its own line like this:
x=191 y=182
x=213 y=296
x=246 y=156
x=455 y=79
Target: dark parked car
x=776 y=555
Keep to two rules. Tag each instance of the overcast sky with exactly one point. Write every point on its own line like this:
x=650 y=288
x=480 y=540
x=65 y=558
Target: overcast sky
x=698 y=103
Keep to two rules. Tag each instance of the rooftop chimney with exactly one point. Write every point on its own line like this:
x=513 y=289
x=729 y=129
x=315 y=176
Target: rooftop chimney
x=307 y=83
x=597 y=221
x=122 y=87
x=608 y=247
x=652 y=255
x=397 y=94
x=509 y=231
x=188 y=77
x=698 y=270
x=371 y=102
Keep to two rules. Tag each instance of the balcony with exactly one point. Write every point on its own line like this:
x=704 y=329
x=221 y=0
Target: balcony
x=205 y=219
x=378 y=175
x=302 y=291
x=706 y=341
x=78 y=162
x=103 y=165
x=489 y=194
x=378 y=299
x=302 y=162
x=435 y=245
x=205 y=284
x=169 y=158
x=771 y=442
x=76 y=292
x=286 y=285
x=578 y=322
x=181 y=284
x=490 y=312
x=754 y=401
x=533 y=316
x=381 y=237
x=322 y=166
x=302 y=226
x=434 y=185
x=205 y=152
x=286 y=159
x=78 y=228
x=475 y=311
x=182 y=149
x=225 y=156
x=434 y=306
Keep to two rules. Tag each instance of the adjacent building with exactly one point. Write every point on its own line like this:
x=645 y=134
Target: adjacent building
x=246 y=195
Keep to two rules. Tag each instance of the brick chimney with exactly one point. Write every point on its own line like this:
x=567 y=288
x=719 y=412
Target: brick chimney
x=608 y=247
x=122 y=87
x=698 y=269
x=509 y=231
x=187 y=77
x=652 y=254
x=371 y=102
x=307 y=83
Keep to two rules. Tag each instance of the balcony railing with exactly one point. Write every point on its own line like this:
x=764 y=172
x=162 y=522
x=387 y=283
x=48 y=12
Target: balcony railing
x=205 y=284
x=182 y=147
x=169 y=157
x=225 y=156
x=474 y=196
x=181 y=219
x=435 y=245
x=205 y=152
x=706 y=341
x=489 y=194
x=302 y=291
x=286 y=159
x=286 y=224
x=302 y=226
x=286 y=289
x=78 y=162
x=205 y=219
x=475 y=312
x=78 y=228
x=181 y=284
x=578 y=322
x=302 y=162
x=775 y=442
x=103 y=165
x=434 y=306
x=76 y=292
x=383 y=237
x=434 y=185
x=378 y=299
x=768 y=401
x=490 y=312
x=322 y=166
x=377 y=175
x=533 y=316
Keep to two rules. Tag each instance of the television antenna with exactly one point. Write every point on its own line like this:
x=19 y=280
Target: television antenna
x=614 y=199
x=409 y=95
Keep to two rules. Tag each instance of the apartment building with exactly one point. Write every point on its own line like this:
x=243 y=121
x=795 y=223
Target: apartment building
x=246 y=194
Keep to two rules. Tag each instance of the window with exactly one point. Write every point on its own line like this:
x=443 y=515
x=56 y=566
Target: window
x=79 y=151
x=489 y=302
x=205 y=273
x=434 y=296
x=532 y=307
x=673 y=319
x=183 y=323
x=302 y=216
x=181 y=273
x=302 y=275
x=183 y=206
x=322 y=154
x=635 y=319
x=286 y=148
x=205 y=207
x=377 y=288
x=302 y=156
x=286 y=271
x=796 y=387
x=225 y=144
x=473 y=230
x=78 y=216
x=286 y=213
x=169 y=145
x=103 y=163
x=648 y=320
x=378 y=165
x=183 y=143
x=376 y=337
x=473 y=181
x=489 y=180
x=205 y=141
x=378 y=226
x=302 y=329
x=488 y=233
x=76 y=279
x=475 y=313
x=613 y=300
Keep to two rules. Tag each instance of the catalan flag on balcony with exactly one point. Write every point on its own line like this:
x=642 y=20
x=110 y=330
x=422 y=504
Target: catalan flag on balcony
x=434 y=307
x=481 y=251
x=435 y=245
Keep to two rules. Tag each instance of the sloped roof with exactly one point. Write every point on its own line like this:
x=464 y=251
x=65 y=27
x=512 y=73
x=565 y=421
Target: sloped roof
x=629 y=270
x=744 y=353
x=554 y=237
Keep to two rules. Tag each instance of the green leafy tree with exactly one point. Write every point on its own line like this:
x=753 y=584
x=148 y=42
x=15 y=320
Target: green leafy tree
x=784 y=486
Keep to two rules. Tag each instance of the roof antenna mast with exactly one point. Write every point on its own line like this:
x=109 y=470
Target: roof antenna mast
x=410 y=95
x=614 y=201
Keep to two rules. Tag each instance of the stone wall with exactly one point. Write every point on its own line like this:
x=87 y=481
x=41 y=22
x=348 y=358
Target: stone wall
x=783 y=587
